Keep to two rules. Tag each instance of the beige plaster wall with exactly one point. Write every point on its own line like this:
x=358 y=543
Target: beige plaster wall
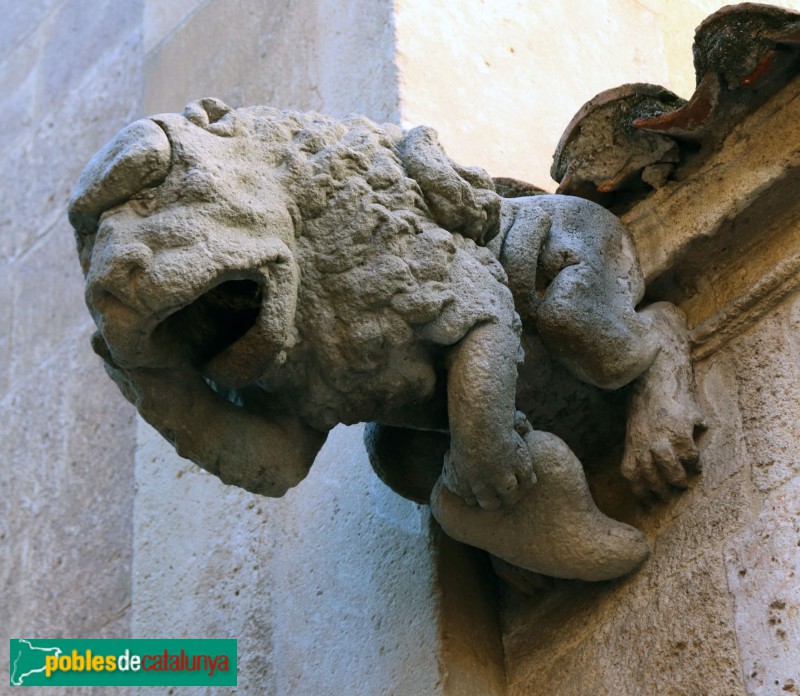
x=501 y=80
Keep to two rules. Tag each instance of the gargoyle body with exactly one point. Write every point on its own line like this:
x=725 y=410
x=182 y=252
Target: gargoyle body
x=258 y=277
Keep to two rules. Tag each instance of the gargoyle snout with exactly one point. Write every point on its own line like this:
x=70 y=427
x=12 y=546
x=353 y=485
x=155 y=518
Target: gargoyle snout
x=114 y=295
x=117 y=274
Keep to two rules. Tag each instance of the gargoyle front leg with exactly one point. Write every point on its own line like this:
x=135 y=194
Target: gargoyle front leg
x=262 y=453
x=488 y=461
x=663 y=415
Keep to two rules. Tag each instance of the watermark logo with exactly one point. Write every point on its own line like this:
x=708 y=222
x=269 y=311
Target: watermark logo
x=122 y=662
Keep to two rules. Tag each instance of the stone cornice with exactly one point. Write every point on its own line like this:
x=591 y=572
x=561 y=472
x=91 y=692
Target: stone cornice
x=741 y=201
x=760 y=153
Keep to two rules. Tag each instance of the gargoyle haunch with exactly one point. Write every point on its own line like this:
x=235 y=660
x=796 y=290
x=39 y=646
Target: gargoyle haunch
x=258 y=277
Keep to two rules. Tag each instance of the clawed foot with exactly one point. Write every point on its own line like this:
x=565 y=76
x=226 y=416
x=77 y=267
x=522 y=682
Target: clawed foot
x=554 y=529
x=498 y=477
x=663 y=417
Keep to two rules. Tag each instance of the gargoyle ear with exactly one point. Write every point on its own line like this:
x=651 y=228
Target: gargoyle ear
x=138 y=157
x=461 y=199
x=213 y=115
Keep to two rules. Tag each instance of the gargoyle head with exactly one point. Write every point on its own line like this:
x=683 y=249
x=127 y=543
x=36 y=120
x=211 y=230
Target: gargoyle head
x=186 y=241
x=194 y=231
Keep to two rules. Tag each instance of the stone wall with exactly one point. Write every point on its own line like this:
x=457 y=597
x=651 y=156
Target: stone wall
x=105 y=532
x=71 y=76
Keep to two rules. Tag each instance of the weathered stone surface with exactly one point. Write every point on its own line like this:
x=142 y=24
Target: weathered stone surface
x=18 y=91
x=58 y=316
x=19 y=22
x=768 y=378
x=6 y=320
x=669 y=634
x=600 y=150
x=65 y=516
x=5 y=359
x=31 y=435
x=471 y=660
x=87 y=31
x=724 y=450
x=794 y=327
x=755 y=159
x=222 y=589
x=669 y=626
x=763 y=566
x=366 y=620
x=379 y=593
x=707 y=520
x=66 y=568
x=162 y=18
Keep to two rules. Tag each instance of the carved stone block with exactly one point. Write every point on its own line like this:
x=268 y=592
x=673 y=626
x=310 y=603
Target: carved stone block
x=258 y=277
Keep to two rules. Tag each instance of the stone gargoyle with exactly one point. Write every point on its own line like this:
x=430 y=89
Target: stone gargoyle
x=258 y=277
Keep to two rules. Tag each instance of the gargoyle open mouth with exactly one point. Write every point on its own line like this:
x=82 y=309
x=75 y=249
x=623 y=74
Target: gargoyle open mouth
x=220 y=332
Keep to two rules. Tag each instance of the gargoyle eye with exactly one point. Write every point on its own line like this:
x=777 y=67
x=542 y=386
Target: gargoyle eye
x=138 y=157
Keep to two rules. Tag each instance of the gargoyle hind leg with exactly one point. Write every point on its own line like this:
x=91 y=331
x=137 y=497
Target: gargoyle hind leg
x=588 y=284
x=554 y=529
x=581 y=294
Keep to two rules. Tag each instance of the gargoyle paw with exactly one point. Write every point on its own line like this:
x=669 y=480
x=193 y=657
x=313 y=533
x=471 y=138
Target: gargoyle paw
x=661 y=442
x=663 y=416
x=492 y=481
